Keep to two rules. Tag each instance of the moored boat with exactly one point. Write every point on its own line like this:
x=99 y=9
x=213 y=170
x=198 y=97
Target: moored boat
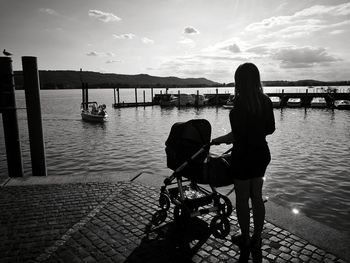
x=229 y=103
x=342 y=104
x=318 y=102
x=93 y=112
x=276 y=102
x=294 y=102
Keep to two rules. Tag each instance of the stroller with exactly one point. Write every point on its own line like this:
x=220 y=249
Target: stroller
x=187 y=150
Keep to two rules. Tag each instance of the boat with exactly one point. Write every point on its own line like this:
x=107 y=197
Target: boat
x=93 y=112
x=229 y=102
x=342 y=104
x=276 y=101
x=167 y=100
x=318 y=102
x=294 y=102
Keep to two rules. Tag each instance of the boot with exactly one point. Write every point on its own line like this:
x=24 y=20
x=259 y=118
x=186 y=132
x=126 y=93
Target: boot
x=244 y=247
x=255 y=249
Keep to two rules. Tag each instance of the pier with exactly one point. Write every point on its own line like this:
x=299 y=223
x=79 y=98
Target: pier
x=219 y=99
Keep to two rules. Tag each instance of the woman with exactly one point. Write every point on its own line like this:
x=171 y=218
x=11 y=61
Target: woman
x=251 y=120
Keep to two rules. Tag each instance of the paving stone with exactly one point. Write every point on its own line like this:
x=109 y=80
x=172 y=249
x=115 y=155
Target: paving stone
x=109 y=226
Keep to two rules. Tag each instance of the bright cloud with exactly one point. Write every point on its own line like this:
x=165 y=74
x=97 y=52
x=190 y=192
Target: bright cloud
x=190 y=30
x=124 y=36
x=187 y=41
x=103 y=16
x=146 y=40
x=302 y=17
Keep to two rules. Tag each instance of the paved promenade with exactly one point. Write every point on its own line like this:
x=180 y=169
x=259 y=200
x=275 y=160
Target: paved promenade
x=107 y=222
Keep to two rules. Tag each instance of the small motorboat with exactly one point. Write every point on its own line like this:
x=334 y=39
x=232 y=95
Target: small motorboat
x=276 y=102
x=342 y=104
x=294 y=102
x=168 y=100
x=93 y=112
x=229 y=103
x=318 y=102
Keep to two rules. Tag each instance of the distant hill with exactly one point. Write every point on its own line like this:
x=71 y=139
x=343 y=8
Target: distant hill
x=64 y=79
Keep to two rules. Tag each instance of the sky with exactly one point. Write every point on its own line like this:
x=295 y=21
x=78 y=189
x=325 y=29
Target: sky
x=286 y=39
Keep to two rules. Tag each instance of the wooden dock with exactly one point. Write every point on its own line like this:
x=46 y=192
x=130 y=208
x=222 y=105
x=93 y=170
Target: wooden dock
x=219 y=99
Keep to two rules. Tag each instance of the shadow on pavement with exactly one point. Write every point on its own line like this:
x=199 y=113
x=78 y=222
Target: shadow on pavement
x=170 y=243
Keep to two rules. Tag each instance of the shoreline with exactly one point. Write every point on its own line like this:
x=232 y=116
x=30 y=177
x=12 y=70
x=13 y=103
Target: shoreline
x=301 y=226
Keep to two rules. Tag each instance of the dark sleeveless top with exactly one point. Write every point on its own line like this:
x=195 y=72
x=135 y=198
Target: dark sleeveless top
x=251 y=155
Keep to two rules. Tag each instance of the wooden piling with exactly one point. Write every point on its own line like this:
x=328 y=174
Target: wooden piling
x=179 y=99
x=32 y=94
x=136 y=96
x=144 y=97
x=152 y=95
x=9 y=118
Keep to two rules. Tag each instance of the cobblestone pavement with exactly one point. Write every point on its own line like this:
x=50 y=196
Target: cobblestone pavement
x=104 y=222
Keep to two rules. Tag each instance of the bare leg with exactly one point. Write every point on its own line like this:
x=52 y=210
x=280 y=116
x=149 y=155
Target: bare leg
x=258 y=205
x=242 y=189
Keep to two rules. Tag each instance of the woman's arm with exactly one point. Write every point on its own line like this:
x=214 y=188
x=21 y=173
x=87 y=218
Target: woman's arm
x=228 y=138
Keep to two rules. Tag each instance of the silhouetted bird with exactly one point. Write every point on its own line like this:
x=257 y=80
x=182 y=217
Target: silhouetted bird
x=6 y=53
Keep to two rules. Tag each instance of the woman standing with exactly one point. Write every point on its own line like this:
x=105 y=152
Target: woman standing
x=251 y=120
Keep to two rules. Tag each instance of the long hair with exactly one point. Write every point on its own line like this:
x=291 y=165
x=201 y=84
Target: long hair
x=248 y=87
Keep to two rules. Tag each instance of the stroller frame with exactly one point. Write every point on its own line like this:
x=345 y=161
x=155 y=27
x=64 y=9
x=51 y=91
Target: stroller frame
x=188 y=207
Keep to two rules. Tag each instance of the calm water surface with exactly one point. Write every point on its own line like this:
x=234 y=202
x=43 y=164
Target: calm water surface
x=310 y=148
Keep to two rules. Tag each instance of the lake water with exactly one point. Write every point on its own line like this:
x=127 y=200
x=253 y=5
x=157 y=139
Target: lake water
x=310 y=148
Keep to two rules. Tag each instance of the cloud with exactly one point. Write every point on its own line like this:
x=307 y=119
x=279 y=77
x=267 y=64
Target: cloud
x=48 y=11
x=103 y=16
x=100 y=54
x=302 y=16
x=260 y=50
x=124 y=36
x=232 y=48
x=187 y=41
x=93 y=54
x=341 y=9
x=303 y=57
x=110 y=61
x=190 y=30
x=146 y=40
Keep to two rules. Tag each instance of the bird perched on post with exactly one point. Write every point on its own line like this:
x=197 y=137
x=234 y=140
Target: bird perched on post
x=6 y=53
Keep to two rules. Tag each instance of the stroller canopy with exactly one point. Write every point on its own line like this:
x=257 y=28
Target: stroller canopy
x=185 y=139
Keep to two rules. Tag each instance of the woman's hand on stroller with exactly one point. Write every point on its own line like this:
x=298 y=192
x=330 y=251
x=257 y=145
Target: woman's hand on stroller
x=228 y=139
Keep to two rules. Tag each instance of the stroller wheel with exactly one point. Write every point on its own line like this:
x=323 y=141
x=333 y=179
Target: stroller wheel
x=181 y=215
x=224 y=205
x=164 y=201
x=220 y=226
x=159 y=217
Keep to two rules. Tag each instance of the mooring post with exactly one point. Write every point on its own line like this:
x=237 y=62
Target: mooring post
x=217 y=97
x=118 y=95
x=152 y=95
x=32 y=94
x=144 y=97
x=179 y=99
x=136 y=96
x=115 y=102
x=9 y=118
x=197 y=99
